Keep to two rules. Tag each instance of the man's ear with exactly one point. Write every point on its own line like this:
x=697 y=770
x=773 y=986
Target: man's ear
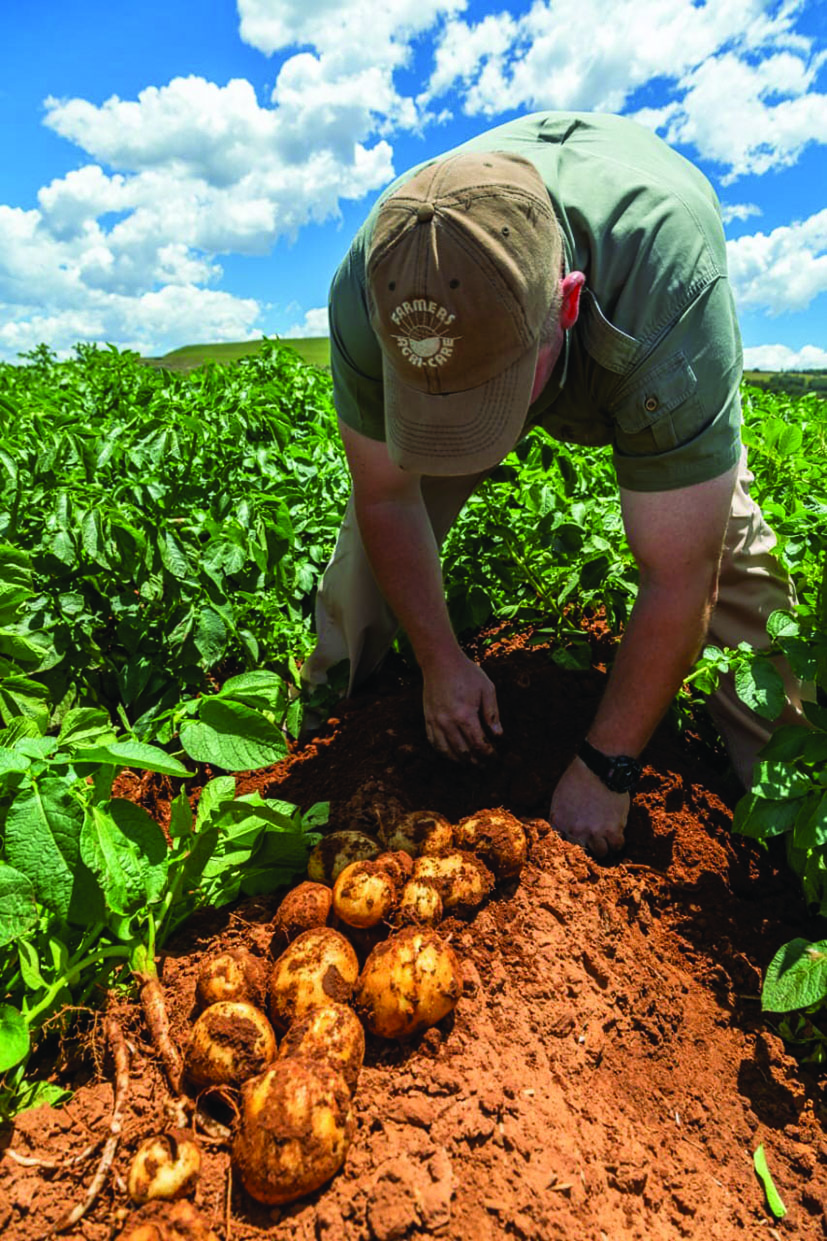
x=571 y=286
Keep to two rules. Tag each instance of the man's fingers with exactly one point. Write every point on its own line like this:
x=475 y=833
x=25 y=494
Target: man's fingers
x=490 y=711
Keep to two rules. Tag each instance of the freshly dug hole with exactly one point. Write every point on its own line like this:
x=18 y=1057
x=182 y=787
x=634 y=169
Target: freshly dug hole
x=409 y=982
x=230 y=1041
x=331 y=1032
x=294 y=1130
x=320 y=965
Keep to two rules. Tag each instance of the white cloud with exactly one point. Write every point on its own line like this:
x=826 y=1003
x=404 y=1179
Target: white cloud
x=770 y=112
x=739 y=211
x=201 y=171
x=742 y=78
x=782 y=358
x=315 y=323
x=153 y=323
x=783 y=270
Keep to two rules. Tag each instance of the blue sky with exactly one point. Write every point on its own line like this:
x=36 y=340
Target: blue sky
x=187 y=171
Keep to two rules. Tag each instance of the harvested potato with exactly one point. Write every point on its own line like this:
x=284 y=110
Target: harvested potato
x=294 y=1130
x=307 y=906
x=231 y=1041
x=330 y=1032
x=419 y=903
x=399 y=865
x=420 y=832
x=235 y=974
x=373 y=808
x=498 y=838
x=363 y=895
x=336 y=851
x=164 y=1167
x=409 y=982
x=462 y=880
x=318 y=966
x=160 y=1221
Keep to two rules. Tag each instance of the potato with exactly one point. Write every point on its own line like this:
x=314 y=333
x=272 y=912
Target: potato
x=409 y=982
x=336 y=851
x=419 y=902
x=363 y=895
x=307 y=906
x=294 y=1130
x=373 y=808
x=164 y=1167
x=420 y=832
x=461 y=879
x=498 y=838
x=399 y=865
x=231 y=1041
x=234 y=974
x=164 y=1222
x=330 y=1032
x=318 y=966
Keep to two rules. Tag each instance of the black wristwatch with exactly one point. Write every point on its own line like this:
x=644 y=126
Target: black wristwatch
x=619 y=772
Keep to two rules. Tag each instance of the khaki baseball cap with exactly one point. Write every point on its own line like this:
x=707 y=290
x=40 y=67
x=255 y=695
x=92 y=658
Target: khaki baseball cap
x=461 y=274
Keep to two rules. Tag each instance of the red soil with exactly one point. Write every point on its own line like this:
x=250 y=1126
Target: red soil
x=607 y=1073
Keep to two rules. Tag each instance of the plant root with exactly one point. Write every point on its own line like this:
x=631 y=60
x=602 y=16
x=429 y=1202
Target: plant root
x=120 y=1056
x=53 y=1165
x=155 y=1015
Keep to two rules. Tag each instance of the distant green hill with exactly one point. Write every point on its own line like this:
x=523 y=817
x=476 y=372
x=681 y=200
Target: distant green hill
x=314 y=349
x=794 y=383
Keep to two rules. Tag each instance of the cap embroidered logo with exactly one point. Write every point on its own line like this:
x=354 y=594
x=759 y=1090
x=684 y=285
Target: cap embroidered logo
x=425 y=341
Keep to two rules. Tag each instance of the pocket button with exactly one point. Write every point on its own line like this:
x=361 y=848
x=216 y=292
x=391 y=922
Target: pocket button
x=650 y=404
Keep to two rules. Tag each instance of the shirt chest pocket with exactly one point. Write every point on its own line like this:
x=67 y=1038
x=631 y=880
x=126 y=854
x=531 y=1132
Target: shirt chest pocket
x=645 y=407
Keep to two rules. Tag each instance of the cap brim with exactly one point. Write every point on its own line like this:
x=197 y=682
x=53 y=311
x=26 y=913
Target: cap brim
x=462 y=432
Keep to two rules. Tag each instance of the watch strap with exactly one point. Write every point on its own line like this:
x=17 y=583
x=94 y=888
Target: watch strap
x=619 y=772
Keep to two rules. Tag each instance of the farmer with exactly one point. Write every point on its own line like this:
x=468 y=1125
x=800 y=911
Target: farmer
x=568 y=270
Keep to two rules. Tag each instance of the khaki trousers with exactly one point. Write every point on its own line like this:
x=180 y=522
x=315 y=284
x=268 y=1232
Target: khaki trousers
x=353 y=621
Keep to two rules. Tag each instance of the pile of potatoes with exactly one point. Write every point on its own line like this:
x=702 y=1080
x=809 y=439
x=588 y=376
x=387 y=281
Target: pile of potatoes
x=290 y=1036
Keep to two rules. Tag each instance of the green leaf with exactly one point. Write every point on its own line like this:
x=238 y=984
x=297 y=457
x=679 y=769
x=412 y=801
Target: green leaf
x=210 y=636
x=18 y=909
x=14 y=1037
x=172 y=555
x=125 y=848
x=778 y=782
x=36 y=1094
x=132 y=754
x=761 y=818
x=811 y=823
x=231 y=735
x=30 y=965
x=84 y=726
x=20 y=696
x=43 y=828
x=262 y=690
x=787 y=743
x=796 y=977
x=774 y=1202
x=760 y=686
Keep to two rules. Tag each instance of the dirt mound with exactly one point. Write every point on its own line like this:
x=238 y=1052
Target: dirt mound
x=607 y=1072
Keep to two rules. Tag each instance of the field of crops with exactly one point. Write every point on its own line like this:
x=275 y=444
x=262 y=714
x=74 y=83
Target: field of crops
x=608 y=1067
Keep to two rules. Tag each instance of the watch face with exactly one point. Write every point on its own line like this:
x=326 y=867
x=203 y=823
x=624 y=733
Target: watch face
x=623 y=774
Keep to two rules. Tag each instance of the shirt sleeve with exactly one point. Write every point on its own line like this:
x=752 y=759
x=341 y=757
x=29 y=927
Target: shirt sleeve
x=355 y=356
x=677 y=418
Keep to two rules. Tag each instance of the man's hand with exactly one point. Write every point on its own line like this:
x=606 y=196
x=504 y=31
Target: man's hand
x=461 y=712
x=585 y=811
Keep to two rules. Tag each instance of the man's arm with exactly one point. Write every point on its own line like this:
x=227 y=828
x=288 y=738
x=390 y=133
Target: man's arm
x=459 y=701
x=676 y=538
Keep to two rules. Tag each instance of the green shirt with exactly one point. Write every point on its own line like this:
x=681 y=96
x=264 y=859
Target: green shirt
x=653 y=364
